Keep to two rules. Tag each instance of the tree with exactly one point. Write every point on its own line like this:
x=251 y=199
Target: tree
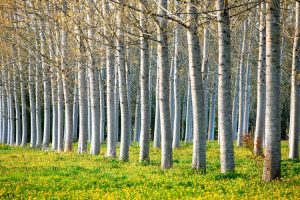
x=272 y=127
x=164 y=71
x=199 y=132
x=144 y=81
x=295 y=91
x=261 y=83
x=224 y=87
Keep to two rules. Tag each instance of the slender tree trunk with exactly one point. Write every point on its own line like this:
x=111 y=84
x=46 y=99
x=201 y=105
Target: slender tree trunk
x=16 y=90
x=67 y=90
x=117 y=101
x=295 y=92
x=211 y=125
x=261 y=84
x=12 y=130
x=82 y=94
x=177 y=101
x=46 y=84
x=94 y=89
x=53 y=73
x=224 y=88
x=189 y=117
x=242 y=87
x=125 y=130
x=273 y=121
x=38 y=114
x=235 y=106
x=32 y=103
x=247 y=96
x=137 y=121
x=75 y=110
x=60 y=114
x=102 y=105
x=144 y=81
x=110 y=79
x=199 y=132
x=157 y=130
x=204 y=70
x=164 y=71
x=58 y=140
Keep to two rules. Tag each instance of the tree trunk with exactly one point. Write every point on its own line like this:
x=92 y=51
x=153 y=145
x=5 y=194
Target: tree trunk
x=177 y=101
x=261 y=84
x=110 y=79
x=199 y=132
x=273 y=121
x=144 y=81
x=157 y=130
x=125 y=130
x=224 y=88
x=247 y=96
x=213 y=100
x=94 y=89
x=295 y=92
x=38 y=114
x=164 y=72
x=32 y=103
x=46 y=84
x=242 y=87
x=82 y=93
x=66 y=89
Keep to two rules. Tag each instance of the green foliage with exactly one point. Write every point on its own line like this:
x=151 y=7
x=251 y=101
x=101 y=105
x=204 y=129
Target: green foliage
x=33 y=174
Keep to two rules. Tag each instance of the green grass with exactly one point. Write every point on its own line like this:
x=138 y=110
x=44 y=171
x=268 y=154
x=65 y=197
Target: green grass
x=34 y=174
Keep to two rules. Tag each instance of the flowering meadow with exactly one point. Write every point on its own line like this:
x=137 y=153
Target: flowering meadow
x=27 y=173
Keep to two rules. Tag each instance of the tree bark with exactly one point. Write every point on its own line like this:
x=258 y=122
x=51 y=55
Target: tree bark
x=144 y=81
x=199 y=132
x=295 y=92
x=224 y=88
x=273 y=121
x=164 y=71
x=261 y=84
x=125 y=130
x=110 y=79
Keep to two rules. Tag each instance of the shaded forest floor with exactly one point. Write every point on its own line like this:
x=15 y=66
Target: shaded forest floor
x=31 y=173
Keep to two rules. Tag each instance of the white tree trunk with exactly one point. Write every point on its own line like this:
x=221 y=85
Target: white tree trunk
x=111 y=139
x=224 y=88
x=82 y=93
x=199 y=132
x=177 y=101
x=75 y=110
x=247 y=96
x=17 y=103
x=273 y=121
x=212 y=108
x=295 y=92
x=164 y=72
x=65 y=78
x=46 y=84
x=37 y=96
x=94 y=88
x=242 y=87
x=157 y=135
x=261 y=84
x=144 y=81
x=32 y=103
x=125 y=130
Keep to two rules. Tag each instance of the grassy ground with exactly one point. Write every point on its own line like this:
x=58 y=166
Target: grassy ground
x=34 y=174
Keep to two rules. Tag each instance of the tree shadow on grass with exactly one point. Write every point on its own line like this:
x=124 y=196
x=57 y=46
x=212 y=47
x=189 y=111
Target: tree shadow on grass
x=231 y=176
